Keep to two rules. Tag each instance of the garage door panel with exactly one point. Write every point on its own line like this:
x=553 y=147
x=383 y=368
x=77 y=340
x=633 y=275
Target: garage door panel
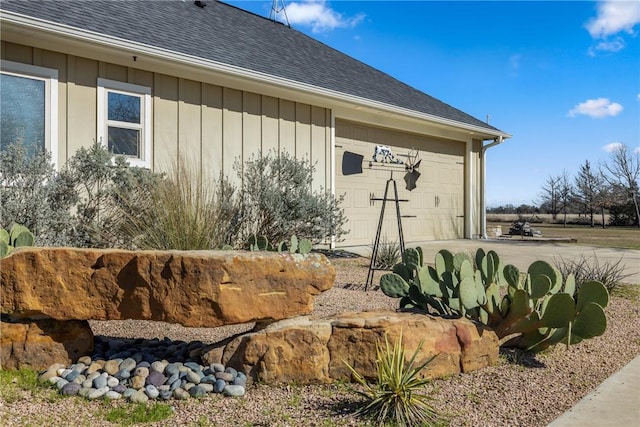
x=442 y=181
x=347 y=201
x=428 y=174
x=361 y=197
x=360 y=229
x=415 y=203
x=443 y=175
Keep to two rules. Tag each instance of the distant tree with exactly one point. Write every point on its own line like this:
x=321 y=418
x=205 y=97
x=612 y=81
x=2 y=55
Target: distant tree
x=565 y=195
x=502 y=209
x=551 y=196
x=588 y=185
x=622 y=173
x=601 y=202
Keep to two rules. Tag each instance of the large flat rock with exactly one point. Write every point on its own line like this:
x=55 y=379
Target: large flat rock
x=314 y=350
x=192 y=288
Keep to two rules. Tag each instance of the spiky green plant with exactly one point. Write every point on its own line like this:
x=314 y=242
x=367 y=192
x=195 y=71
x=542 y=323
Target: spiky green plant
x=585 y=269
x=532 y=311
x=388 y=254
x=397 y=397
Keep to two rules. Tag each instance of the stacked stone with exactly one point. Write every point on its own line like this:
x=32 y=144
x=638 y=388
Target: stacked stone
x=139 y=370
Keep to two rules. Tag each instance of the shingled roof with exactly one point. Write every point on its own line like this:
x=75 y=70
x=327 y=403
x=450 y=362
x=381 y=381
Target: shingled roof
x=226 y=34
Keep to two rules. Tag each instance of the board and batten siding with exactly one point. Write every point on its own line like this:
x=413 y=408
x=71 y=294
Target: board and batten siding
x=212 y=125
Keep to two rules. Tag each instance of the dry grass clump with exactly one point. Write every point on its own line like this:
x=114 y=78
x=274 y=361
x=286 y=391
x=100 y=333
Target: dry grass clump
x=185 y=211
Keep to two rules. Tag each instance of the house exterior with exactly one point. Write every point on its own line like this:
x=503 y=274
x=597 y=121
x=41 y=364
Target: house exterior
x=155 y=80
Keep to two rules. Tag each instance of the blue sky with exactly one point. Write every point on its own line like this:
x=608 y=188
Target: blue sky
x=563 y=77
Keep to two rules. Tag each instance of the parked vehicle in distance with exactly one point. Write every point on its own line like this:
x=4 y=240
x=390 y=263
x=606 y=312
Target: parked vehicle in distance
x=522 y=228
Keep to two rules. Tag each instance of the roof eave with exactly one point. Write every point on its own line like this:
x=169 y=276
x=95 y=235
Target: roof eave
x=53 y=28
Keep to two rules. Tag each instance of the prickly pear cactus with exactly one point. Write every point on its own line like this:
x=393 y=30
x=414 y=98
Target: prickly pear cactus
x=304 y=246
x=258 y=243
x=294 y=245
x=18 y=235
x=532 y=310
x=394 y=285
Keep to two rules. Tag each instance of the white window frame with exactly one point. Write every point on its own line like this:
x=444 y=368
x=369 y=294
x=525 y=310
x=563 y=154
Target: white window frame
x=144 y=93
x=50 y=78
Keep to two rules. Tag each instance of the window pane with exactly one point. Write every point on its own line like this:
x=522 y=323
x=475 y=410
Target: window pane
x=124 y=141
x=22 y=112
x=124 y=108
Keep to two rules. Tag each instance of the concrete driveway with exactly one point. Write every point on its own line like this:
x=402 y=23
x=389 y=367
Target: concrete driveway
x=523 y=253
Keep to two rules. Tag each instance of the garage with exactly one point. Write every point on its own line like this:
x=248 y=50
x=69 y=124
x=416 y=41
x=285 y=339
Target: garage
x=434 y=210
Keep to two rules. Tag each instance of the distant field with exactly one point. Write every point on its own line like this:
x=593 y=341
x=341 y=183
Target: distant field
x=545 y=218
x=611 y=237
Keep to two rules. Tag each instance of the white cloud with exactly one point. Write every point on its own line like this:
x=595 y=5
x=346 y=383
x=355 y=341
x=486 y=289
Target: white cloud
x=608 y=46
x=614 y=16
x=319 y=15
x=596 y=108
x=610 y=148
x=639 y=97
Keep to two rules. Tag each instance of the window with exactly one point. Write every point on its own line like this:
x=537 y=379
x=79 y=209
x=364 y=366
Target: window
x=124 y=120
x=28 y=107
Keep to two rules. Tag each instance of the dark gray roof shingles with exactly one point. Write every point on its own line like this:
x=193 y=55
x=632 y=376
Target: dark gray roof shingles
x=229 y=35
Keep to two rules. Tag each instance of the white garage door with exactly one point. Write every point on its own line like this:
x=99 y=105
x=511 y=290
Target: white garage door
x=435 y=210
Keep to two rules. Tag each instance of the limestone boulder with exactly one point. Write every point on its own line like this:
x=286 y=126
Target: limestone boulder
x=313 y=350
x=37 y=344
x=192 y=288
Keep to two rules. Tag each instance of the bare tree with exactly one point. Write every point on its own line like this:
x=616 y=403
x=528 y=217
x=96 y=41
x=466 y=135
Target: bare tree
x=587 y=189
x=550 y=195
x=622 y=171
x=565 y=191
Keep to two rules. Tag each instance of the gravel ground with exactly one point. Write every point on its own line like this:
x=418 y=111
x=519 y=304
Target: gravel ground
x=522 y=390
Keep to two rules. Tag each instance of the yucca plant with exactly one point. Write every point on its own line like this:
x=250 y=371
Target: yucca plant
x=388 y=254
x=397 y=397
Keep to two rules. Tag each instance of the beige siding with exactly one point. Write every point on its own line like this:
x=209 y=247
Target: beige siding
x=287 y=138
x=189 y=120
x=58 y=61
x=17 y=53
x=211 y=125
x=113 y=72
x=140 y=77
x=303 y=131
x=435 y=209
x=231 y=130
x=82 y=102
x=319 y=151
x=270 y=124
x=165 y=117
x=251 y=124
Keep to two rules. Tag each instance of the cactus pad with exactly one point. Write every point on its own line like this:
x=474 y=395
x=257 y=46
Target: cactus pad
x=394 y=286
x=592 y=291
x=591 y=321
